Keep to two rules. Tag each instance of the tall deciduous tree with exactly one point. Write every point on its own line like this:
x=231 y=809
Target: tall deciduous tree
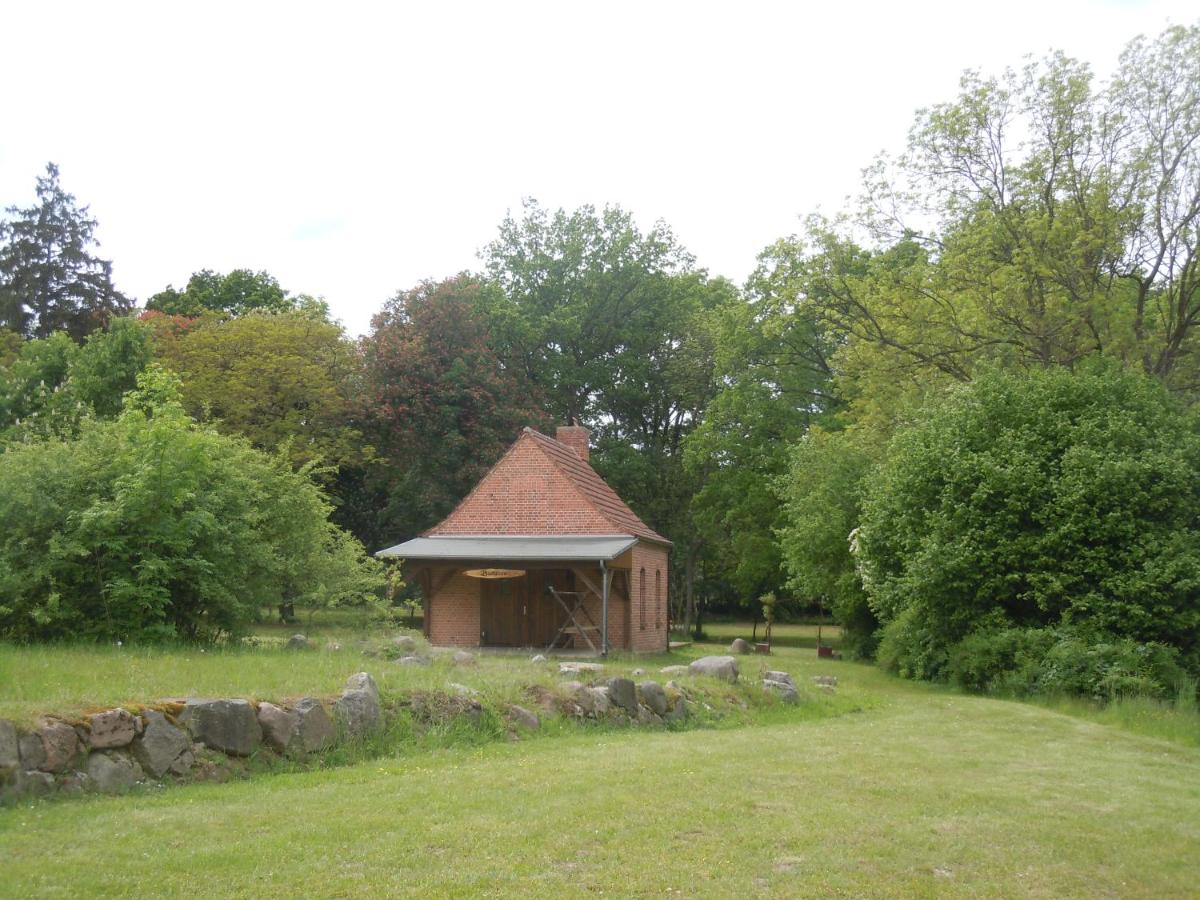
x=49 y=279
x=441 y=404
x=236 y=293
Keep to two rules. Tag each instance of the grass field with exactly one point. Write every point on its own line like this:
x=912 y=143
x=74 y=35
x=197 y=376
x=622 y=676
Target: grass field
x=897 y=790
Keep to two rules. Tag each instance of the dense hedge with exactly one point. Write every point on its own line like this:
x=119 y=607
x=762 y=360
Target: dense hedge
x=150 y=527
x=1041 y=529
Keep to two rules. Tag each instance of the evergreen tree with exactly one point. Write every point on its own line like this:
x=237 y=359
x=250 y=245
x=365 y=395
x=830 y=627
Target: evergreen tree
x=49 y=281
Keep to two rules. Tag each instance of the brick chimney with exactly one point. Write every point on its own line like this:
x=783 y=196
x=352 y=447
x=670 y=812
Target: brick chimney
x=576 y=437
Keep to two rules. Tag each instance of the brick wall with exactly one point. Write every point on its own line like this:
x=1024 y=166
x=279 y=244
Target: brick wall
x=454 y=618
x=648 y=612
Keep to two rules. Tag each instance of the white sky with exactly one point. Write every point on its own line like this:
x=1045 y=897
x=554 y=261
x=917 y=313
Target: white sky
x=354 y=149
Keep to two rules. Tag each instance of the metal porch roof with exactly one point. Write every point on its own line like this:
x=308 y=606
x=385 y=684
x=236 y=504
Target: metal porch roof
x=513 y=547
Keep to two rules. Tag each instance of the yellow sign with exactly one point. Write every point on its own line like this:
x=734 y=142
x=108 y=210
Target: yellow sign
x=494 y=573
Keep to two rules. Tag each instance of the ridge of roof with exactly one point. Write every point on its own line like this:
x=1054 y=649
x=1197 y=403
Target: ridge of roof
x=593 y=488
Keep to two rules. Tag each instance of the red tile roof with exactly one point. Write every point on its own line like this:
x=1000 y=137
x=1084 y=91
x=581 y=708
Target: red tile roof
x=542 y=487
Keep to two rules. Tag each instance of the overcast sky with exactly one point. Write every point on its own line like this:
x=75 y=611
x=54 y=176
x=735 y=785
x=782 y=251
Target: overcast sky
x=354 y=149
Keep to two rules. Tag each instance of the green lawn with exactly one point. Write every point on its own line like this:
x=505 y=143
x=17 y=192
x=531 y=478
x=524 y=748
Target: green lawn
x=930 y=794
x=919 y=792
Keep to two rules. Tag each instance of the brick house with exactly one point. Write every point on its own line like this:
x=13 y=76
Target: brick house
x=542 y=553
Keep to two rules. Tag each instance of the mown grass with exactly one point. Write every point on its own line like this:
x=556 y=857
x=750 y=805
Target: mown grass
x=928 y=793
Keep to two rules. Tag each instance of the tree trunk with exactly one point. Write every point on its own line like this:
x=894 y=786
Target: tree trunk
x=689 y=587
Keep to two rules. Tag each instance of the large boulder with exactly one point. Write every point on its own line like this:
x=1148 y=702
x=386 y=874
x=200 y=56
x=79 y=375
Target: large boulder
x=61 y=745
x=780 y=677
x=10 y=748
x=314 y=729
x=29 y=784
x=724 y=667
x=623 y=693
x=654 y=697
x=782 y=685
x=161 y=747
x=112 y=773
x=278 y=726
x=111 y=728
x=33 y=751
x=230 y=726
x=677 y=711
x=357 y=710
x=404 y=643
x=740 y=645
x=463 y=658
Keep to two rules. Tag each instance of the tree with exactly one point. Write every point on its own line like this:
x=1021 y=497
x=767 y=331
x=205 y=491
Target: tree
x=283 y=380
x=773 y=368
x=53 y=384
x=150 y=527
x=1033 y=221
x=237 y=293
x=441 y=405
x=49 y=281
x=1047 y=500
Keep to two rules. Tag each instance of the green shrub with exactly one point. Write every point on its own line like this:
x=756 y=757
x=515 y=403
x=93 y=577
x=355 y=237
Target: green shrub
x=999 y=659
x=1052 y=500
x=150 y=527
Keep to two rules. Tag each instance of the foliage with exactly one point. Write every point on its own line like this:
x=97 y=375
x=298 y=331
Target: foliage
x=53 y=383
x=822 y=497
x=1055 y=499
x=49 y=281
x=1033 y=221
x=237 y=293
x=149 y=527
x=440 y=405
x=283 y=380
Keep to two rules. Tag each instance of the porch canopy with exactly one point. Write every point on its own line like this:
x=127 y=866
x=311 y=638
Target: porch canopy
x=510 y=548
x=464 y=551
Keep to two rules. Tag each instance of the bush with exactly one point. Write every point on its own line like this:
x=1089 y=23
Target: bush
x=1053 y=500
x=150 y=527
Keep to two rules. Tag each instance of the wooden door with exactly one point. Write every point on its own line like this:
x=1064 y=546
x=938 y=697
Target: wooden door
x=502 y=611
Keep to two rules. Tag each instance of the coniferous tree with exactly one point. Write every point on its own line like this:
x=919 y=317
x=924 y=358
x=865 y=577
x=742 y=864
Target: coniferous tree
x=49 y=280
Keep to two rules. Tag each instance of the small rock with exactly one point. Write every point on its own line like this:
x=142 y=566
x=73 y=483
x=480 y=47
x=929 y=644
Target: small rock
x=230 y=726
x=33 y=752
x=361 y=681
x=74 y=783
x=673 y=671
x=786 y=692
x=314 y=729
x=623 y=693
x=111 y=774
x=278 y=725
x=10 y=747
x=160 y=744
x=333 y=646
x=61 y=744
x=740 y=645
x=297 y=642
x=825 y=680
x=112 y=728
x=462 y=689
x=524 y=718
x=724 y=667
x=405 y=643
x=638 y=673
x=578 y=668
x=463 y=658
x=654 y=697
x=537 y=658
x=646 y=716
x=780 y=677
x=412 y=661
x=677 y=711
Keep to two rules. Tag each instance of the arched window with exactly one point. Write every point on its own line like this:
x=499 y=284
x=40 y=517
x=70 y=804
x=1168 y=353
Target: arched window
x=657 y=598
x=642 y=601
